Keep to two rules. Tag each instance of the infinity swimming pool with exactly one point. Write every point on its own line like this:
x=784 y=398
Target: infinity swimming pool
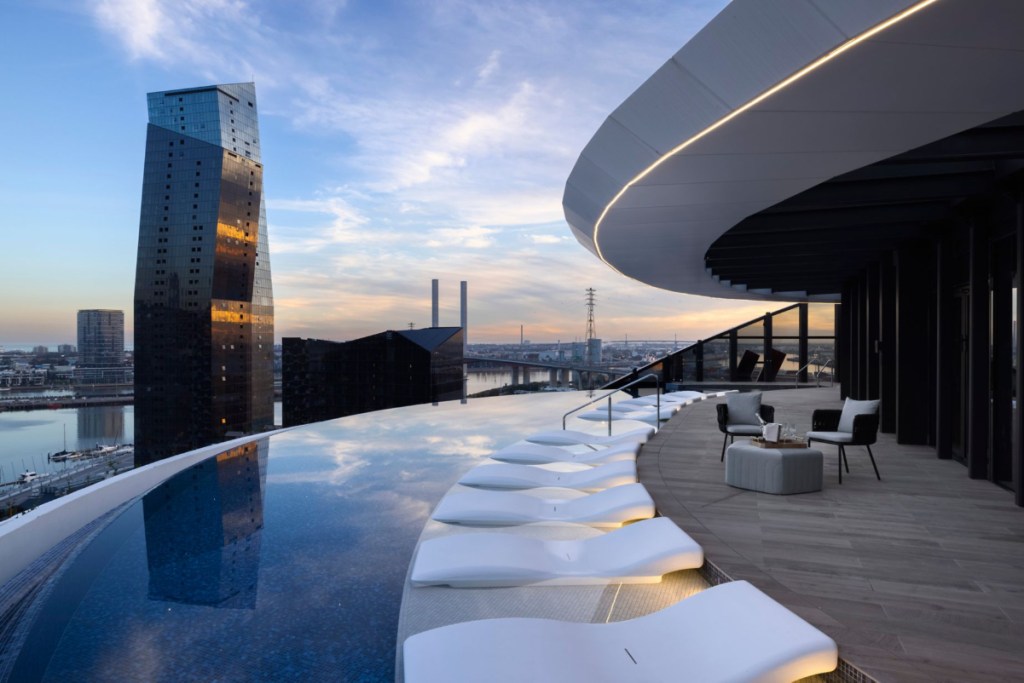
x=282 y=559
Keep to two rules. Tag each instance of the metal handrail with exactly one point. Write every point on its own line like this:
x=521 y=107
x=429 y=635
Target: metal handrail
x=831 y=375
x=796 y=377
x=657 y=384
x=817 y=375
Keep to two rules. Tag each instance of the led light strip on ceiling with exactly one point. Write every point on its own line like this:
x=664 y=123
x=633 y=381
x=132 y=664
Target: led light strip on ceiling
x=821 y=61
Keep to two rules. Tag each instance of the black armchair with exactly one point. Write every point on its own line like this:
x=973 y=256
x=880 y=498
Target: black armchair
x=731 y=431
x=825 y=428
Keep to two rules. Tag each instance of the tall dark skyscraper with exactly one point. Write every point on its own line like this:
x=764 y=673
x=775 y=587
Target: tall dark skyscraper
x=204 y=309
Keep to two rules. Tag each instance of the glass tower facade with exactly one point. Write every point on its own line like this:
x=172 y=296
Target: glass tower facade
x=204 y=310
x=100 y=338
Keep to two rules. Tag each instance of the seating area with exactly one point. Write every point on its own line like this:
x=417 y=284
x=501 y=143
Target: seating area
x=564 y=509
x=792 y=466
x=916 y=576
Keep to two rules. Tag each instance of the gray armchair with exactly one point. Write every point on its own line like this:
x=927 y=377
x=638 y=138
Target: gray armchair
x=733 y=430
x=855 y=425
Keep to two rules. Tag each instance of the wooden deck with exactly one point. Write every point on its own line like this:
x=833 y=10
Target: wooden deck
x=918 y=577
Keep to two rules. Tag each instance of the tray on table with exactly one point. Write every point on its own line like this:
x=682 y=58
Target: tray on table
x=785 y=443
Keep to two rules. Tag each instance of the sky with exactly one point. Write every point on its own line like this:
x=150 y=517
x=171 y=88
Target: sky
x=402 y=141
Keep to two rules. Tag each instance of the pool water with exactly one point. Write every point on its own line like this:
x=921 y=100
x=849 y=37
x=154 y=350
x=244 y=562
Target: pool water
x=280 y=560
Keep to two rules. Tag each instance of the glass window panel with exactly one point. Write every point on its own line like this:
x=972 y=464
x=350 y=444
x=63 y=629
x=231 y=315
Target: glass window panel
x=754 y=329
x=748 y=359
x=689 y=365
x=821 y=320
x=786 y=324
x=716 y=360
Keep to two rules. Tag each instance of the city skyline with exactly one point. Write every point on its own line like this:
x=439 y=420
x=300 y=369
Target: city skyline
x=405 y=142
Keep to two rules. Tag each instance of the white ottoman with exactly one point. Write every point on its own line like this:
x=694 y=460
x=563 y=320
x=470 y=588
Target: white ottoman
x=773 y=470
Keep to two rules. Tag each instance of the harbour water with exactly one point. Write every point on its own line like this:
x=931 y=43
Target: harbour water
x=27 y=437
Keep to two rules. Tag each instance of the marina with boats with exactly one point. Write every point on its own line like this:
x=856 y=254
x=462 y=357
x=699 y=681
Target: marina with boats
x=79 y=469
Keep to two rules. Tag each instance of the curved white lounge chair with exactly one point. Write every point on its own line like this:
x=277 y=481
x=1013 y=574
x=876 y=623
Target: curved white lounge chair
x=569 y=437
x=647 y=402
x=642 y=414
x=536 y=454
x=732 y=632
x=508 y=476
x=611 y=507
x=637 y=553
x=678 y=399
x=686 y=395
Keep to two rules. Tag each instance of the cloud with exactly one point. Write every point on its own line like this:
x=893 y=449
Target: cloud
x=169 y=31
x=489 y=67
x=438 y=147
x=345 y=225
x=469 y=237
x=547 y=239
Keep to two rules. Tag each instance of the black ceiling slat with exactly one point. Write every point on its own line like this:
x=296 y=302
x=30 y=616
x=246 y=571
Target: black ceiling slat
x=815 y=240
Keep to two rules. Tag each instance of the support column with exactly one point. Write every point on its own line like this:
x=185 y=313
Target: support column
x=526 y=374
x=802 y=344
x=1018 y=454
x=862 y=337
x=912 y=394
x=515 y=374
x=1001 y=377
x=733 y=351
x=887 y=346
x=947 y=346
x=844 y=342
x=977 y=354
x=698 y=359
x=553 y=376
x=872 y=321
x=433 y=303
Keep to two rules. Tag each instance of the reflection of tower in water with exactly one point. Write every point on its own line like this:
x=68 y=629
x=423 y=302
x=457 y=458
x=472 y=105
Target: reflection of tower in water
x=203 y=531
x=100 y=425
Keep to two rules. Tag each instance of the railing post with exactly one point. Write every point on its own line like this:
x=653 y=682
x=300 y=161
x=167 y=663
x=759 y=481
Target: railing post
x=802 y=344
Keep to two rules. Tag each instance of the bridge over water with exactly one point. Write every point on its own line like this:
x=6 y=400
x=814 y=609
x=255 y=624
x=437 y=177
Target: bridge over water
x=563 y=372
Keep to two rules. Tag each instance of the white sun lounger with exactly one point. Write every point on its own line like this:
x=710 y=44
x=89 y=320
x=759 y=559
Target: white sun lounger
x=732 y=632
x=637 y=553
x=666 y=399
x=687 y=395
x=535 y=454
x=642 y=414
x=611 y=507
x=646 y=402
x=569 y=437
x=508 y=476
x=628 y=406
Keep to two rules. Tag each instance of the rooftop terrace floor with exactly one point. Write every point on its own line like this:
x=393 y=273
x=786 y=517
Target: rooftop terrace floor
x=918 y=577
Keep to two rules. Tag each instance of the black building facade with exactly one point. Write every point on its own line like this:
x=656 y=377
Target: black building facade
x=927 y=249
x=323 y=380
x=204 y=316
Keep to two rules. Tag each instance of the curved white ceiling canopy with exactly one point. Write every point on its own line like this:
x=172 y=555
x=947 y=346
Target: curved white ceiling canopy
x=771 y=99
